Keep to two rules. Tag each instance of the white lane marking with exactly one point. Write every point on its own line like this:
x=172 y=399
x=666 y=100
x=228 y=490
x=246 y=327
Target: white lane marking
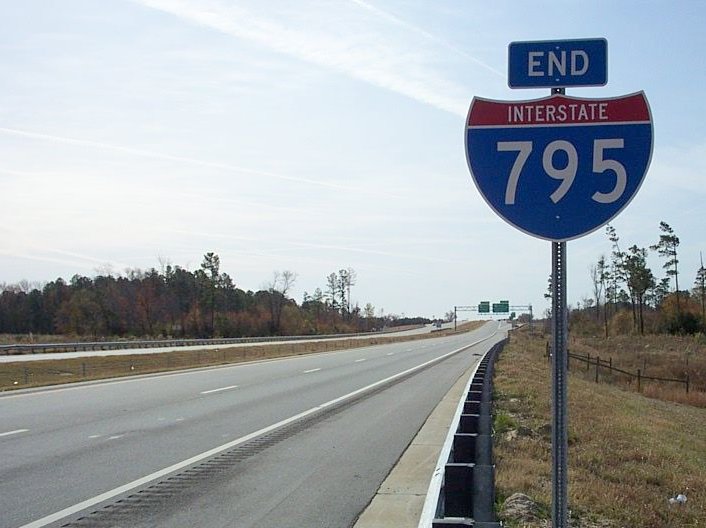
x=390 y=354
x=190 y=372
x=39 y=523
x=229 y=387
x=179 y=419
x=359 y=360
x=16 y=431
x=94 y=436
x=311 y=370
x=115 y=437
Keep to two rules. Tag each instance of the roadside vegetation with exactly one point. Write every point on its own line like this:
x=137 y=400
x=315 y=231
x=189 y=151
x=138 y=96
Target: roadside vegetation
x=630 y=298
x=628 y=453
x=175 y=302
x=637 y=398
x=643 y=325
x=678 y=357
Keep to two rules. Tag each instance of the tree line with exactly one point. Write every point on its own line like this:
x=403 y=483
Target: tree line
x=176 y=302
x=629 y=297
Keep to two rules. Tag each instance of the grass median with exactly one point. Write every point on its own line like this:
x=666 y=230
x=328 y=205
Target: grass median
x=628 y=453
x=23 y=374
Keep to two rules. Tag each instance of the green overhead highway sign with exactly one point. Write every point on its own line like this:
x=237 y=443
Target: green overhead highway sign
x=501 y=307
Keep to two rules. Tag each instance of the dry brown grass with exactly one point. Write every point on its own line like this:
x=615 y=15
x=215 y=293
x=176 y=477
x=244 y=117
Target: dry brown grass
x=16 y=375
x=627 y=453
x=12 y=339
x=660 y=356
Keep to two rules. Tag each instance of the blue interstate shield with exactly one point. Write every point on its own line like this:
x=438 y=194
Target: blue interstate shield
x=560 y=167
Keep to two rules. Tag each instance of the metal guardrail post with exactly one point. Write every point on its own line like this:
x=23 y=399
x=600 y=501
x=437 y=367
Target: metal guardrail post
x=464 y=493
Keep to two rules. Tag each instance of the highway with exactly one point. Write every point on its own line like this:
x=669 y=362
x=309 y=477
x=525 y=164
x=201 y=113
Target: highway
x=296 y=442
x=13 y=358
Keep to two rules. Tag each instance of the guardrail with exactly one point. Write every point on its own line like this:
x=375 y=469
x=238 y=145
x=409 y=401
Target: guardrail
x=40 y=348
x=462 y=492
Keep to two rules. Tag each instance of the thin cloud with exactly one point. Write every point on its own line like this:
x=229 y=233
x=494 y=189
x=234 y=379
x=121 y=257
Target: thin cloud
x=351 y=249
x=286 y=246
x=396 y=20
x=74 y=260
x=377 y=63
x=168 y=157
x=682 y=167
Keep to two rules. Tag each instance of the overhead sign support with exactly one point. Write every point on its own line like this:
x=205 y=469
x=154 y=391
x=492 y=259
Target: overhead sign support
x=559 y=168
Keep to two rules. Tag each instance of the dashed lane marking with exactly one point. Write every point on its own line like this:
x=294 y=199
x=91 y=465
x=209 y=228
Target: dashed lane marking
x=16 y=431
x=220 y=389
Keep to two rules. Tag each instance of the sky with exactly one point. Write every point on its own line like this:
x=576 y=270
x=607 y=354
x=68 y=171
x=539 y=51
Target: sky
x=314 y=136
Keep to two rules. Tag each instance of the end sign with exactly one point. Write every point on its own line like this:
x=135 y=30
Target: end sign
x=558 y=63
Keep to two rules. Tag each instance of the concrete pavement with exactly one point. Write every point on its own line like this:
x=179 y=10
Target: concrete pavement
x=400 y=499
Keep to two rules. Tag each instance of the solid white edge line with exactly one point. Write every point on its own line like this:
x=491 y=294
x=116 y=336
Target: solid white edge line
x=219 y=389
x=16 y=431
x=432 y=498
x=39 y=523
x=311 y=370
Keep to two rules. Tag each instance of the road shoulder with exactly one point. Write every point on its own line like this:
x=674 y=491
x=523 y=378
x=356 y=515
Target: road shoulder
x=400 y=499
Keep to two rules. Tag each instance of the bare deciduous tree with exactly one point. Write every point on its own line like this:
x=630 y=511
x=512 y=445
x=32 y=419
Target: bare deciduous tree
x=282 y=282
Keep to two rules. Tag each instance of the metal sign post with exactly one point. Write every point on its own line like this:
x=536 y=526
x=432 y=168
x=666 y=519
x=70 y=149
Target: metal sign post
x=560 y=420
x=560 y=392
x=559 y=168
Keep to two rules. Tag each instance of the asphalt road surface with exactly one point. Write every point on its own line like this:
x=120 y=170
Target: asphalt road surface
x=298 y=442
x=12 y=358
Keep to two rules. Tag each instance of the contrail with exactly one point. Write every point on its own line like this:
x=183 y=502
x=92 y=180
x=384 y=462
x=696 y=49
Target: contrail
x=329 y=51
x=396 y=20
x=66 y=258
x=168 y=157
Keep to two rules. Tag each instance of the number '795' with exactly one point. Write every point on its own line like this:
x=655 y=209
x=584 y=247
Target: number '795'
x=566 y=174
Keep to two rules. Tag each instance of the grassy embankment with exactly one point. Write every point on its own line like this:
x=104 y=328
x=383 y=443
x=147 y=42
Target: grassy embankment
x=628 y=453
x=17 y=375
x=659 y=356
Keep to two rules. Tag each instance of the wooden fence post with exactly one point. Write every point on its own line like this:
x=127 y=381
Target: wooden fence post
x=598 y=364
x=638 y=381
x=687 y=384
x=588 y=362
